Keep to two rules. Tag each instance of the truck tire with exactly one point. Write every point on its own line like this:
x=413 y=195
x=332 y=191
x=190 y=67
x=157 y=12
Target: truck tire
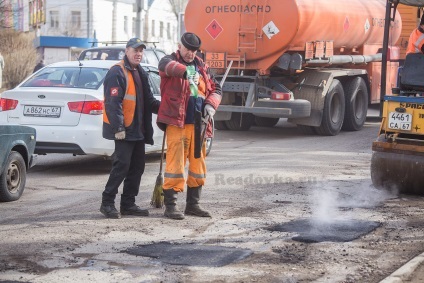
x=307 y=130
x=220 y=125
x=266 y=122
x=240 y=121
x=334 y=110
x=13 y=178
x=356 y=94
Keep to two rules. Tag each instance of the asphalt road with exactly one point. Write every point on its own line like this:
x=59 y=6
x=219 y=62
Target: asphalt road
x=258 y=181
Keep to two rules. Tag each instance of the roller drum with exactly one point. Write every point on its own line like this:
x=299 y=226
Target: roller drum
x=398 y=172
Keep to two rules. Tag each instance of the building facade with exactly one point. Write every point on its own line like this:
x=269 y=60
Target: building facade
x=63 y=28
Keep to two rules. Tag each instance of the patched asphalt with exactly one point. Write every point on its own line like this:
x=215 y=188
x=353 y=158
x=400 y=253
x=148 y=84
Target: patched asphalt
x=314 y=231
x=190 y=254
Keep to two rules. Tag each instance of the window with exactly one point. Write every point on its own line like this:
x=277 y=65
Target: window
x=126 y=24
x=149 y=57
x=161 y=29
x=154 y=80
x=168 y=30
x=76 y=19
x=68 y=77
x=153 y=27
x=54 y=19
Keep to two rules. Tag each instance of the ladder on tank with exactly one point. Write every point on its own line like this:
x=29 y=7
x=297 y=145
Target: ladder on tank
x=248 y=33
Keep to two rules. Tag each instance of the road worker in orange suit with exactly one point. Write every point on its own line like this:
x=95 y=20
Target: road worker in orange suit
x=187 y=90
x=127 y=119
x=416 y=39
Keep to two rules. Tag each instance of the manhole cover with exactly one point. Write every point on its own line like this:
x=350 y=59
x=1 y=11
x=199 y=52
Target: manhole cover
x=314 y=231
x=190 y=254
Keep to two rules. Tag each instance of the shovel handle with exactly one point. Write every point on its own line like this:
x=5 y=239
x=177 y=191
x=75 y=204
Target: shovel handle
x=163 y=152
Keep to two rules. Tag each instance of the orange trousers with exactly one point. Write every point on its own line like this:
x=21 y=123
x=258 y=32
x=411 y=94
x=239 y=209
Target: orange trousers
x=180 y=147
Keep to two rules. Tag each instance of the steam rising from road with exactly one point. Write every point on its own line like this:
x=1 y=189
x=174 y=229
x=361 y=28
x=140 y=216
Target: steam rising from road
x=327 y=203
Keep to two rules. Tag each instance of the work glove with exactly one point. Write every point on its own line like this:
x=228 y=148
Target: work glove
x=209 y=110
x=120 y=135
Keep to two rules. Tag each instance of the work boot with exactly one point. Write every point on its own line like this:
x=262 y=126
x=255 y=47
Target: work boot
x=134 y=210
x=192 y=206
x=109 y=211
x=170 y=201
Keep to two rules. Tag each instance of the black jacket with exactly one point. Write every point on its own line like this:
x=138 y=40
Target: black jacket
x=115 y=80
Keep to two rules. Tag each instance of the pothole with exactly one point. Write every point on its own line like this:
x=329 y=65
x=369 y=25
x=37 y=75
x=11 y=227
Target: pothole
x=190 y=254
x=315 y=231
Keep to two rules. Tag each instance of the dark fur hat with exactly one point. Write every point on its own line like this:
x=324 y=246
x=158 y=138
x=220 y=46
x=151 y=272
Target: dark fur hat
x=191 y=41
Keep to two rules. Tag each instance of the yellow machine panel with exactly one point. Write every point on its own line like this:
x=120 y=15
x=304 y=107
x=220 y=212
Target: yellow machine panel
x=403 y=117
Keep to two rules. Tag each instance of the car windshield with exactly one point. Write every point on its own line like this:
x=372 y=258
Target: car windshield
x=68 y=77
x=102 y=54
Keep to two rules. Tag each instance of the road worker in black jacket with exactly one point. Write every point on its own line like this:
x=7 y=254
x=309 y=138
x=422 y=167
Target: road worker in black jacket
x=127 y=119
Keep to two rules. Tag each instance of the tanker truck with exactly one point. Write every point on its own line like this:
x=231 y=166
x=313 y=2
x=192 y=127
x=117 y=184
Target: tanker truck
x=315 y=62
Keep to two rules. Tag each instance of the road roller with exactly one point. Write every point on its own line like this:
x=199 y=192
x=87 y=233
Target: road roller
x=397 y=162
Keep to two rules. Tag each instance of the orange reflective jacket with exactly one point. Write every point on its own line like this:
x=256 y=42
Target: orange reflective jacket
x=416 y=42
x=129 y=101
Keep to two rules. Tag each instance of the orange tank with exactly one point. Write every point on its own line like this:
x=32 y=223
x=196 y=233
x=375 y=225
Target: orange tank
x=262 y=30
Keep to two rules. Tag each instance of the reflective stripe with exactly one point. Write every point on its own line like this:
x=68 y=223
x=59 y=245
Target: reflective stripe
x=175 y=176
x=197 y=176
x=417 y=43
x=129 y=97
x=174 y=65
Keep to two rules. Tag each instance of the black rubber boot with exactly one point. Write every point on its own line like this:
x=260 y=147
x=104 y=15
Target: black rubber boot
x=109 y=211
x=192 y=206
x=170 y=201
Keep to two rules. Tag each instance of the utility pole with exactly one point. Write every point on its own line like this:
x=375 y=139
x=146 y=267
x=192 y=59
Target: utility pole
x=114 y=12
x=139 y=7
x=89 y=14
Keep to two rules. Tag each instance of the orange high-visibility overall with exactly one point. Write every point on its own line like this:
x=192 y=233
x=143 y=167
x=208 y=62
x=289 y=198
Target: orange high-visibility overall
x=180 y=147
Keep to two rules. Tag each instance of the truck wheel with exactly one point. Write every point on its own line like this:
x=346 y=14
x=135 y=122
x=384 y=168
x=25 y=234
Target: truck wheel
x=240 y=121
x=356 y=94
x=266 y=122
x=307 y=130
x=334 y=110
x=13 y=178
x=220 y=125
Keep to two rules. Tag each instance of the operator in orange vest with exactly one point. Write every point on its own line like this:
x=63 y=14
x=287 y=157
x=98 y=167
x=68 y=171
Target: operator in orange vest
x=188 y=92
x=416 y=39
x=127 y=119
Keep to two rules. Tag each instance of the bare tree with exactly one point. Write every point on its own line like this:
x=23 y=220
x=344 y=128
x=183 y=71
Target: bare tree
x=178 y=6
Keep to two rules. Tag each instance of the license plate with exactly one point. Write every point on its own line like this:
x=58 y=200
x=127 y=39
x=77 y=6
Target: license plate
x=215 y=60
x=400 y=121
x=42 y=111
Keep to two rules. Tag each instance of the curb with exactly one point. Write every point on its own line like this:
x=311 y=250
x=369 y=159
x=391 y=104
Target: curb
x=404 y=271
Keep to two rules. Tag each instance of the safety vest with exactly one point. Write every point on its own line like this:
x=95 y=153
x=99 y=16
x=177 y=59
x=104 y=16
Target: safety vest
x=128 y=104
x=416 y=41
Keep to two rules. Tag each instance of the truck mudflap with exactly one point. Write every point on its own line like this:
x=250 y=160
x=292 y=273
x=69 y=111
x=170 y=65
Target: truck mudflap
x=397 y=167
x=273 y=108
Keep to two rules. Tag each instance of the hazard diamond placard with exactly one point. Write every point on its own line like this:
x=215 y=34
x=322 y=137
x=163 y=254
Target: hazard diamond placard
x=214 y=29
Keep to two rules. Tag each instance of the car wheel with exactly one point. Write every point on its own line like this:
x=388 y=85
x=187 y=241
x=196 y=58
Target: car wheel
x=13 y=178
